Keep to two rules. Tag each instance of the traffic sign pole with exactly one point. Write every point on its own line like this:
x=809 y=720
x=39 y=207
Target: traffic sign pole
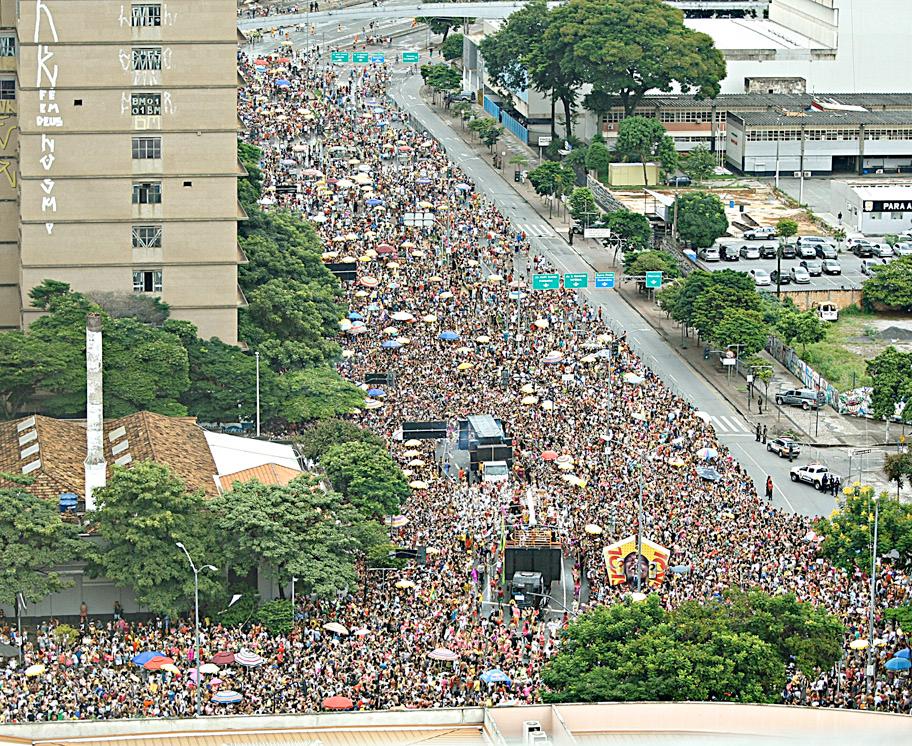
x=574 y=280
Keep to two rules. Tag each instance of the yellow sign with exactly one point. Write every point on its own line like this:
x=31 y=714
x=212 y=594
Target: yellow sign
x=622 y=564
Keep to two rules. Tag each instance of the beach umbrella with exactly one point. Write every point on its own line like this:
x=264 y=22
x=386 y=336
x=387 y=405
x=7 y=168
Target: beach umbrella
x=547 y=405
x=707 y=454
x=227 y=697
x=574 y=480
x=35 y=670
x=552 y=358
x=432 y=550
x=339 y=629
x=495 y=278
x=905 y=653
x=589 y=359
x=549 y=455
x=529 y=400
x=282 y=83
x=448 y=336
x=412 y=443
x=249 y=659
x=391 y=331
x=361 y=632
x=462 y=187
x=859 y=644
x=355 y=316
x=208 y=668
x=429 y=318
x=405 y=584
x=633 y=378
x=376 y=392
x=411 y=454
x=338 y=703
x=542 y=323
x=171 y=668
x=398 y=521
x=483 y=339
x=709 y=473
x=223 y=658
x=703 y=416
x=564 y=458
x=465 y=366
x=369 y=282
x=385 y=248
x=517 y=295
x=445 y=295
x=417 y=462
x=402 y=315
x=435 y=278
x=154 y=664
x=565 y=466
x=142 y=658
x=418 y=484
x=592 y=529
x=373 y=202
x=443 y=654
x=391 y=344
x=407 y=472
x=898 y=664
x=676 y=462
x=527 y=388
x=495 y=676
x=372 y=404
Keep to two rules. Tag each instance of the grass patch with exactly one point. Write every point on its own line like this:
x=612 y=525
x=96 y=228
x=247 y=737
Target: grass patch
x=841 y=356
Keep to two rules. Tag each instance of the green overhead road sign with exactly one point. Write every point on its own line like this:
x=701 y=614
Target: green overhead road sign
x=360 y=57
x=653 y=279
x=546 y=282
x=339 y=57
x=604 y=279
x=576 y=280
x=410 y=57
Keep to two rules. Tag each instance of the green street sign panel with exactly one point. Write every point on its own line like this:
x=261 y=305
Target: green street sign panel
x=338 y=57
x=410 y=57
x=546 y=282
x=360 y=57
x=653 y=279
x=576 y=280
x=604 y=279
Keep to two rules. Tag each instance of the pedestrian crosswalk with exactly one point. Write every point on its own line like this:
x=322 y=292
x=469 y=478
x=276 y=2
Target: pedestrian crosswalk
x=730 y=425
x=536 y=230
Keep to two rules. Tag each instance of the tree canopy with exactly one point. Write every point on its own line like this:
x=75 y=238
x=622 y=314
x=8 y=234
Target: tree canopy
x=644 y=139
x=891 y=373
x=367 y=476
x=699 y=164
x=331 y=432
x=701 y=218
x=890 y=285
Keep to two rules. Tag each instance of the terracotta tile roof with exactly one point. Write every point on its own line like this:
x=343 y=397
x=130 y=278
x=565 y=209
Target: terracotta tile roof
x=177 y=442
x=265 y=474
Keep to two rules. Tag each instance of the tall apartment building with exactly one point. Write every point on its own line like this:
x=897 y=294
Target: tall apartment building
x=118 y=161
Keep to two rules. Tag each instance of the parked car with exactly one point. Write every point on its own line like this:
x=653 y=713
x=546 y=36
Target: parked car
x=903 y=249
x=709 y=254
x=782 y=447
x=804 y=398
x=464 y=96
x=729 y=253
x=813 y=266
x=826 y=251
x=767 y=252
x=799 y=275
x=812 y=474
x=750 y=252
x=861 y=247
x=831 y=267
x=678 y=181
x=828 y=312
x=883 y=251
x=761 y=277
x=789 y=251
x=776 y=280
x=814 y=241
x=760 y=233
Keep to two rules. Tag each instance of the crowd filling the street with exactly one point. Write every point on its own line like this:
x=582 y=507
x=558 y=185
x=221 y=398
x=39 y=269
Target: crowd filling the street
x=447 y=308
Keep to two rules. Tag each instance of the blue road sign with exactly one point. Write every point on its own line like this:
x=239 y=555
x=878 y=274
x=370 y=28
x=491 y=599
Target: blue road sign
x=604 y=279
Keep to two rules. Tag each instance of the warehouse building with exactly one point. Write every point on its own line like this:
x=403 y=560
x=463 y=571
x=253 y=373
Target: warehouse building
x=875 y=208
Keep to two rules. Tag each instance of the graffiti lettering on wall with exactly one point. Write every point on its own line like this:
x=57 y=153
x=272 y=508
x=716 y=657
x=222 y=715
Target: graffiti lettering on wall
x=48 y=109
x=146 y=108
x=150 y=15
x=146 y=63
x=6 y=168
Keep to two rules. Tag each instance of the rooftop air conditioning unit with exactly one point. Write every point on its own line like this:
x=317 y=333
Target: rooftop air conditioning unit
x=539 y=738
x=529 y=727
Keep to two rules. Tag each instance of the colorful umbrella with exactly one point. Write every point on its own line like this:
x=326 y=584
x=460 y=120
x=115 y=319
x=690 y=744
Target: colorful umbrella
x=227 y=697
x=443 y=654
x=339 y=629
x=338 y=703
x=249 y=659
x=223 y=658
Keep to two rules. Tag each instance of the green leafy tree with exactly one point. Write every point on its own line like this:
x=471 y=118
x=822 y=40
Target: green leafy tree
x=330 y=432
x=891 y=372
x=487 y=129
x=786 y=228
x=367 y=476
x=33 y=541
x=451 y=49
x=644 y=139
x=25 y=363
x=890 y=285
x=300 y=530
x=624 y=48
x=582 y=206
x=744 y=328
x=551 y=179
x=653 y=261
x=621 y=653
x=898 y=468
x=250 y=187
x=701 y=218
x=276 y=616
x=715 y=302
x=699 y=164
x=42 y=295
x=442 y=78
x=144 y=511
x=597 y=158
x=632 y=228
x=314 y=394
x=849 y=532
x=802 y=327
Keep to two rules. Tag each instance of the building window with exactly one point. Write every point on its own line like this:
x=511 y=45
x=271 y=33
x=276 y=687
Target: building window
x=147 y=14
x=147 y=236
x=147 y=281
x=146 y=104
x=7 y=46
x=147 y=147
x=147 y=193
x=147 y=58
x=7 y=89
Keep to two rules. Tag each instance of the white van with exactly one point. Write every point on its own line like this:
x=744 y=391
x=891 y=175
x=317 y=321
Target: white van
x=828 y=312
x=495 y=471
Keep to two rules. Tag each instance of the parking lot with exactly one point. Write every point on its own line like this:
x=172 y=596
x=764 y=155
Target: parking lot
x=851 y=277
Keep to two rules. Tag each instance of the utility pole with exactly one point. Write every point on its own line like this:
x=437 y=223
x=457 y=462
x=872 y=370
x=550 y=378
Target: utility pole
x=196 y=607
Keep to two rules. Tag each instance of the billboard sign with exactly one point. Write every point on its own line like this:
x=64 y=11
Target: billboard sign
x=622 y=564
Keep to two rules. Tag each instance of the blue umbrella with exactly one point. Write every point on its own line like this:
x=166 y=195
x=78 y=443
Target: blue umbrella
x=376 y=392
x=373 y=202
x=904 y=654
x=707 y=472
x=463 y=187
x=282 y=83
x=898 y=664
x=142 y=659
x=495 y=676
x=355 y=316
x=391 y=344
x=423 y=180
x=448 y=336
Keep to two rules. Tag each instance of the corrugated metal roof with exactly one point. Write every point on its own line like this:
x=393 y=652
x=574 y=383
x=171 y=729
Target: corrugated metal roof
x=744 y=101
x=265 y=474
x=824 y=118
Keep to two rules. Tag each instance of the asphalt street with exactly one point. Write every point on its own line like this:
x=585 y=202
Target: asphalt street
x=731 y=427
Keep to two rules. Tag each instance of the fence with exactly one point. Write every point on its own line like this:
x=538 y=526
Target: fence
x=510 y=123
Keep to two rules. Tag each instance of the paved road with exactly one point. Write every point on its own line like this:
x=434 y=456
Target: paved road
x=732 y=429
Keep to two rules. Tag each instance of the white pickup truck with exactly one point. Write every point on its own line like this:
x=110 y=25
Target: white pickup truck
x=812 y=474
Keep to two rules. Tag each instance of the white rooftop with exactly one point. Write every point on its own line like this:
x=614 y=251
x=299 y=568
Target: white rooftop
x=233 y=453
x=900 y=191
x=731 y=34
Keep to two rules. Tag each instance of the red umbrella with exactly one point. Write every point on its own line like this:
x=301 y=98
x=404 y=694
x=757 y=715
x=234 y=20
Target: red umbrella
x=385 y=248
x=337 y=703
x=154 y=664
x=549 y=455
x=223 y=658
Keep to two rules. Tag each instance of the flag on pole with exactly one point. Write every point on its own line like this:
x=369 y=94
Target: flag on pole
x=234 y=599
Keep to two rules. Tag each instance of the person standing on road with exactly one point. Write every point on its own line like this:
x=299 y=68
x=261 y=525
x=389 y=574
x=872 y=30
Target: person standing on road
x=764 y=435
x=760 y=405
x=769 y=487
x=758 y=432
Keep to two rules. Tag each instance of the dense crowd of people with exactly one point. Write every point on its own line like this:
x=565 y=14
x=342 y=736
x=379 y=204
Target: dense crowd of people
x=446 y=307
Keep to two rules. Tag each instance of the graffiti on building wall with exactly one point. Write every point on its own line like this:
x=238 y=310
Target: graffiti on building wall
x=49 y=116
x=8 y=170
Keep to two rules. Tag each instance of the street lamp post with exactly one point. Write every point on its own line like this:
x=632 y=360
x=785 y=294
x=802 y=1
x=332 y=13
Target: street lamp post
x=869 y=673
x=196 y=608
x=639 y=533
